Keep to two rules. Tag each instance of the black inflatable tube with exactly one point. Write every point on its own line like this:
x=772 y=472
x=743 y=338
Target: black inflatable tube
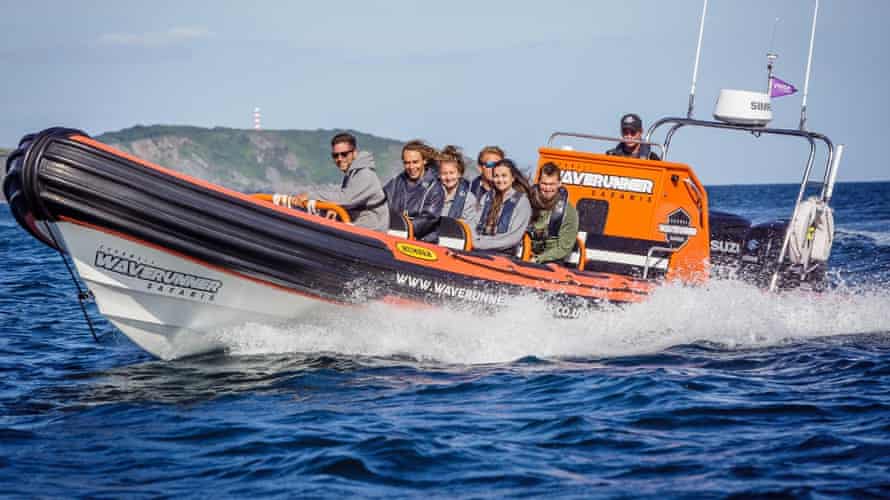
x=57 y=177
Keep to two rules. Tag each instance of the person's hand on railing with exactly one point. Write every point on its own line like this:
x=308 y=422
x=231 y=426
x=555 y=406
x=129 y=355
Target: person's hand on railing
x=299 y=200
x=316 y=207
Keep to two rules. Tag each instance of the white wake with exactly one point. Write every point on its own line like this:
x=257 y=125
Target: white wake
x=730 y=314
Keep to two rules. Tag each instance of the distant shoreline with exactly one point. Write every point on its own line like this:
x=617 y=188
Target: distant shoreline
x=4 y=153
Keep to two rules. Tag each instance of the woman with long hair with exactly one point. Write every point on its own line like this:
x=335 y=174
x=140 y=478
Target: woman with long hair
x=505 y=210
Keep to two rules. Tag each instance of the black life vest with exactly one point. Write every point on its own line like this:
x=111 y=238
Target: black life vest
x=644 y=152
x=401 y=200
x=428 y=185
x=504 y=217
x=556 y=214
x=477 y=188
x=460 y=199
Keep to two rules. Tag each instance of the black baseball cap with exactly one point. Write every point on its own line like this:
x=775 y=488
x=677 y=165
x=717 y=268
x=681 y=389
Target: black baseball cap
x=631 y=121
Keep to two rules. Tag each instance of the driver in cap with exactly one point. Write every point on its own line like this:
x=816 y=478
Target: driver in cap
x=632 y=130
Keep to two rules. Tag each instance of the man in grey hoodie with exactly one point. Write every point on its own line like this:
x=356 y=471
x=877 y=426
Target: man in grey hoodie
x=360 y=193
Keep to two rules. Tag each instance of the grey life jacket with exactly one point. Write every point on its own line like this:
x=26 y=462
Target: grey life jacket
x=504 y=217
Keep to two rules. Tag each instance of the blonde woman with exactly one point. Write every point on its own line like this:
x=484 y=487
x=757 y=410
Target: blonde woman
x=460 y=202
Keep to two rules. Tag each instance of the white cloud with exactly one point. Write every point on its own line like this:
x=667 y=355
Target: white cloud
x=172 y=36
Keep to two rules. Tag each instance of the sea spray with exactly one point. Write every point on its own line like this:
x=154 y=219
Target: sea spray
x=726 y=313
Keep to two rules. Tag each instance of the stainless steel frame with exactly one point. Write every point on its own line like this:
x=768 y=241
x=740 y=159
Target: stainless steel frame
x=603 y=138
x=831 y=162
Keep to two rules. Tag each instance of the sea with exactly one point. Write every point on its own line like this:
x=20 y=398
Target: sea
x=717 y=391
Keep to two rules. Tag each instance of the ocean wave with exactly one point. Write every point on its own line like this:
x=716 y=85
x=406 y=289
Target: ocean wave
x=878 y=238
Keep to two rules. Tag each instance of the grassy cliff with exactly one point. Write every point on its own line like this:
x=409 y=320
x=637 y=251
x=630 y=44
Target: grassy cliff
x=250 y=160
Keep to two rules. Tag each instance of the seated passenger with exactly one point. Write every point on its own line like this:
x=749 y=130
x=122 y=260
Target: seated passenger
x=554 y=226
x=485 y=162
x=430 y=155
x=505 y=210
x=360 y=192
x=632 y=128
x=416 y=191
x=460 y=203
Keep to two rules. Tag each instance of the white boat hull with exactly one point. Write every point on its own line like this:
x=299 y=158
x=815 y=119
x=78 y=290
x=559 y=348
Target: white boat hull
x=168 y=304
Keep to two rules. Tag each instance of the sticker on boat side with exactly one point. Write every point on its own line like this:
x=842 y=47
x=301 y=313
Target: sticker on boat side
x=157 y=279
x=679 y=227
x=416 y=251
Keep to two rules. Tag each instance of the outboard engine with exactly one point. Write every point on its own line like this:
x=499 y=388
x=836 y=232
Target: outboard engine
x=751 y=253
x=760 y=252
x=728 y=233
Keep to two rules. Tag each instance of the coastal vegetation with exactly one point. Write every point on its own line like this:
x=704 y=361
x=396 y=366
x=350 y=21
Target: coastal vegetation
x=249 y=160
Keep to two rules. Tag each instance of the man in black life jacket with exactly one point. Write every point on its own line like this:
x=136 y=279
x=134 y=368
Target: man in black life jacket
x=416 y=192
x=554 y=224
x=632 y=128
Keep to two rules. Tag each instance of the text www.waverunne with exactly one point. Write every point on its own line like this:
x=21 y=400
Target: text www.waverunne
x=445 y=289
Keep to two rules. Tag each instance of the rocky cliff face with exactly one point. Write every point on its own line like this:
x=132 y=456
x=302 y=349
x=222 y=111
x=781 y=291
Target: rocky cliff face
x=249 y=160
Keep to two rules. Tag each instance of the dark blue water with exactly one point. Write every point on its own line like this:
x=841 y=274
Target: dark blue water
x=721 y=391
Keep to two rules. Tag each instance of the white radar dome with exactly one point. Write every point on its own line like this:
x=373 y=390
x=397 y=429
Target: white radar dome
x=743 y=107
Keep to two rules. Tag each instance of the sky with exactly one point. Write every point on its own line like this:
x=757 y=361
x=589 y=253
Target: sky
x=461 y=72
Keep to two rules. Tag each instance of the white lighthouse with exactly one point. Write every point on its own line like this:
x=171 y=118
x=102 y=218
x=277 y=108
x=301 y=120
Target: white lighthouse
x=256 y=119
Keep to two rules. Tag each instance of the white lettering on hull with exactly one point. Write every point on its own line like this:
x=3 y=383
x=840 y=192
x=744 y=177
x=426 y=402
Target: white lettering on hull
x=448 y=290
x=613 y=182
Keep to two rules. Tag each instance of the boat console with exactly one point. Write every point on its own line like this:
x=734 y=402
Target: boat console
x=650 y=218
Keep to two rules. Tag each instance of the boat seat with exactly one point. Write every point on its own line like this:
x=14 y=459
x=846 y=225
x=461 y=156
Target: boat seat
x=524 y=250
x=455 y=234
x=614 y=254
x=400 y=226
x=575 y=258
x=579 y=250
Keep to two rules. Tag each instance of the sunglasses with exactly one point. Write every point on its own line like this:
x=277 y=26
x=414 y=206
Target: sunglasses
x=629 y=131
x=489 y=164
x=343 y=154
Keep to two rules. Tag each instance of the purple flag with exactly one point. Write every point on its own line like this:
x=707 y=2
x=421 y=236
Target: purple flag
x=779 y=88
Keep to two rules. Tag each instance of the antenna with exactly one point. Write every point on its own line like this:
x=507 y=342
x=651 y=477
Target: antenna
x=256 y=119
x=770 y=59
x=772 y=38
x=701 y=30
x=806 y=84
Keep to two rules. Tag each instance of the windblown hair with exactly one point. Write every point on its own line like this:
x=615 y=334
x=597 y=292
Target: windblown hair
x=497 y=198
x=490 y=149
x=427 y=152
x=455 y=155
x=344 y=137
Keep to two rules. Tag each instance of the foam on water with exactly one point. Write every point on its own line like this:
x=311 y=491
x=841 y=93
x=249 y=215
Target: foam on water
x=729 y=314
x=879 y=238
